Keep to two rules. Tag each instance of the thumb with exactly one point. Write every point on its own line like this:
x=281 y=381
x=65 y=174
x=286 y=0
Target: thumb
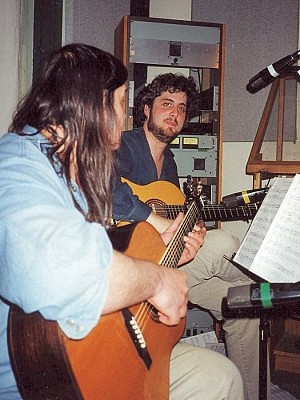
x=175 y=224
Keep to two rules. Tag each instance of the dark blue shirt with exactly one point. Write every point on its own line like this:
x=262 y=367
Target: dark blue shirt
x=136 y=164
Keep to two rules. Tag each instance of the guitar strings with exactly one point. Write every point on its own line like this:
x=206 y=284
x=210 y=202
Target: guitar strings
x=170 y=259
x=175 y=248
x=210 y=211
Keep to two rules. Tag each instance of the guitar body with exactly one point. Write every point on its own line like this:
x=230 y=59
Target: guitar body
x=156 y=194
x=163 y=190
x=105 y=364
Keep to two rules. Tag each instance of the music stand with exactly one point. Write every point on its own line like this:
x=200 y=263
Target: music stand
x=260 y=299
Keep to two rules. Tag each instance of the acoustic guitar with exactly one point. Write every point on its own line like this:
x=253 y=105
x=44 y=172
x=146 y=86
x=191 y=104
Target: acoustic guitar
x=167 y=200
x=126 y=356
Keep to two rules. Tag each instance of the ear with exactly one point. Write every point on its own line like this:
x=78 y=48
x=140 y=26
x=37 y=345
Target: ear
x=147 y=111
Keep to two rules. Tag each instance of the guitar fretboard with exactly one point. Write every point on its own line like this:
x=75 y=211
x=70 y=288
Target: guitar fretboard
x=211 y=212
x=176 y=246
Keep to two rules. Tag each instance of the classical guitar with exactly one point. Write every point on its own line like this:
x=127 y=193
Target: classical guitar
x=126 y=356
x=162 y=196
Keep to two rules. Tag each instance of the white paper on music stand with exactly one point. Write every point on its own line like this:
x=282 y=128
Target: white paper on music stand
x=206 y=339
x=271 y=247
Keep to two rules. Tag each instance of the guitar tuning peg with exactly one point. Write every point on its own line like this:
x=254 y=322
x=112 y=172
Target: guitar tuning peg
x=192 y=188
x=199 y=188
x=188 y=187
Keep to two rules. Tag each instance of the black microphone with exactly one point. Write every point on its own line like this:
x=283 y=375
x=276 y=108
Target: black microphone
x=244 y=197
x=263 y=294
x=269 y=74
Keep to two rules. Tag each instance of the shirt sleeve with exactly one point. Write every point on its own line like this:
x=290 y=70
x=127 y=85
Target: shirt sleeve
x=53 y=260
x=126 y=205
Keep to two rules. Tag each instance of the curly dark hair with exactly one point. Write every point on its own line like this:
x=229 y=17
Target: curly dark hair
x=168 y=82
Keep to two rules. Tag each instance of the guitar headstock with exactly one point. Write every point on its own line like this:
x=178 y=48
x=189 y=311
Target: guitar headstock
x=192 y=189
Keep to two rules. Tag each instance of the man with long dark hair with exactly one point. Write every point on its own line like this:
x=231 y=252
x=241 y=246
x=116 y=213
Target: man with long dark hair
x=56 y=166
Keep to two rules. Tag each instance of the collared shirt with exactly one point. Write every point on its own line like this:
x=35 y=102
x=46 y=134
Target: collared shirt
x=135 y=163
x=52 y=260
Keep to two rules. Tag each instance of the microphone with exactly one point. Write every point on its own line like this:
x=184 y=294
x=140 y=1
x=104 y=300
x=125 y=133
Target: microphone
x=269 y=74
x=264 y=294
x=244 y=197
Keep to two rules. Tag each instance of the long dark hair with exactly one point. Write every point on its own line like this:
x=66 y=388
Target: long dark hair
x=168 y=82
x=75 y=91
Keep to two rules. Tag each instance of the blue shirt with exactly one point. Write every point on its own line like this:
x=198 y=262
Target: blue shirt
x=52 y=260
x=135 y=163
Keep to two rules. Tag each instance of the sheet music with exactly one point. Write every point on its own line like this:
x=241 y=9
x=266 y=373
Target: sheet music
x=271 y=247
x=208 y=340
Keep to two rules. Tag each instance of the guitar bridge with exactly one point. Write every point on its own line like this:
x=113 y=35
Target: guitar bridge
x=137 y=337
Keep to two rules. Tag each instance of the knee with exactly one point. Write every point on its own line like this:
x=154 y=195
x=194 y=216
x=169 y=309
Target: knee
x=222 y=242
x=236 y=388
x=230 y=378
x=197 y=370
x=225 y=376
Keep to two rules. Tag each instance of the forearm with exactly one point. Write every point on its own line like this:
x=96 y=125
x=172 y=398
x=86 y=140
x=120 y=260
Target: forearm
x=159 y=223
x=130 y=282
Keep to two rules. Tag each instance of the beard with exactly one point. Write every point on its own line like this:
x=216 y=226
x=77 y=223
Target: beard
x=161 y=134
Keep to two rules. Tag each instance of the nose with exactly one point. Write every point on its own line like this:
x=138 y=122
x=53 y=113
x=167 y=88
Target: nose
x=174 y=111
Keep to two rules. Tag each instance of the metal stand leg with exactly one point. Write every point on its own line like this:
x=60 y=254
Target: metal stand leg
x=264 y=332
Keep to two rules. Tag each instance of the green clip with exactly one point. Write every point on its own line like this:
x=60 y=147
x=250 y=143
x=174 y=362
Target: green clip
x=265 y=294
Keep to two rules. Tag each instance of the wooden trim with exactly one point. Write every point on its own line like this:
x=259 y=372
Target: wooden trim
x=280 y=120
x=221 y=112
x=257 y=143
x=121 y=40
x=121 y=44
x=274 y=167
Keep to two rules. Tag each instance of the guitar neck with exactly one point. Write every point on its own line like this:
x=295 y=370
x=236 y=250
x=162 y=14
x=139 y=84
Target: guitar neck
x=167 y=200
x=217 y=212
x=176 y=246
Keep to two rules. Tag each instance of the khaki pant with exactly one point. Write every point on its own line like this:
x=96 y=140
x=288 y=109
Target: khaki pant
x=210 y=276
x=201 y=374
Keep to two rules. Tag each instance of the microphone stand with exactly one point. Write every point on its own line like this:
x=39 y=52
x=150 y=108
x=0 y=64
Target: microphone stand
x=264 y=333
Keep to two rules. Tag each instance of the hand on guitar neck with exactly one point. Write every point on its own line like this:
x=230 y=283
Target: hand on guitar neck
x=193 y=241
x=164 y=225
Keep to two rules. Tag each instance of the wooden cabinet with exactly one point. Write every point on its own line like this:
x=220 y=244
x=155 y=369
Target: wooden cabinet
x=285 y=345
x=149 y=46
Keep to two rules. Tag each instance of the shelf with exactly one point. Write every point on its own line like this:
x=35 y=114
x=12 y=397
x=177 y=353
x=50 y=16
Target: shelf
x=287 y=353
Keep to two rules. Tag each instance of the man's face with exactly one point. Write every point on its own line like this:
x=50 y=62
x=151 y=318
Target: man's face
x=166 y=117
x=119 y=98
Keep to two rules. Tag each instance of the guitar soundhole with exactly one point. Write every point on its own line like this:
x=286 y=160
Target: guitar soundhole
x=154 y=314
x=158 y=207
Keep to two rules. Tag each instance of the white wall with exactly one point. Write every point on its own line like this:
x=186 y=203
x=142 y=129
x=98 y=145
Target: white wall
x=234 y=178
x=9 y=45
x=171 y=9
